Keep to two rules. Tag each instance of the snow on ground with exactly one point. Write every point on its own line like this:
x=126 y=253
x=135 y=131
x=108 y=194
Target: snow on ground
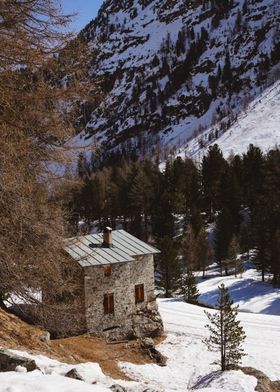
x=247 y=291
x=50 y=378
x=259 y=124
x=190 y=364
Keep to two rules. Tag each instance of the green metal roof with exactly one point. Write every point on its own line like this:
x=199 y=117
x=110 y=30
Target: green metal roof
x=89 y=250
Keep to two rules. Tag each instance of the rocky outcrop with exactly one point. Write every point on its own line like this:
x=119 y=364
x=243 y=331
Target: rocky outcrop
x=264 y=383
x=147 y=323
x=144 y=323
x=74 y=374
x=117 y=388
x=10 y=361
x=148 y=346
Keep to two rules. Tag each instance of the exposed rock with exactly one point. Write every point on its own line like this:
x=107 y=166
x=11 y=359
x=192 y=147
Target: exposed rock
x=147 y=323
x=264 y=383
x=46 y=337
x=117 y=388
x=73 y=373
x=10 y=362
x=147 y=344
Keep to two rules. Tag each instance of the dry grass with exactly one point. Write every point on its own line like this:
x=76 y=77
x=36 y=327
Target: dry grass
x=16 y=334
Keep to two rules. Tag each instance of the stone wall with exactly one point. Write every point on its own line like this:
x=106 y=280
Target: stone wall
x=63 y=315
x=121 y=283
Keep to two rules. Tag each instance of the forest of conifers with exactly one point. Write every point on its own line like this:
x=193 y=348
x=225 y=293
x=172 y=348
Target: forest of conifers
x=238 y=198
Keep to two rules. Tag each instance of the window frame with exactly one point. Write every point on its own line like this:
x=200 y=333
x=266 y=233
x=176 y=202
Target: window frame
x=139 y=293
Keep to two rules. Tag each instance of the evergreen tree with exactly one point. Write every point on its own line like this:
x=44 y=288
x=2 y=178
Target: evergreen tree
x=202 y=250
x=223 y=236
x=168 y=269
x=213 y=168
x=188 y=249
x=253 y=173
x=227 y=71
x=246 y=240
x=226 y=333
x=188 y=287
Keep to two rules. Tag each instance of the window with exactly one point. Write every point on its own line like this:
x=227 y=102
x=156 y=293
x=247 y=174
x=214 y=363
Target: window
x=107 y=270
x=139 y=293
x=108 y=303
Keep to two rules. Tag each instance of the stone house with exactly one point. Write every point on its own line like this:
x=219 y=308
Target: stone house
x=117 y=274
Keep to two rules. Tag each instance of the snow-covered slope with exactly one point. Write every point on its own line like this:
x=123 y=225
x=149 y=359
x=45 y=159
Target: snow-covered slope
x=247 y=291
x=259 y=124
x=169 y=69
x=190 y=365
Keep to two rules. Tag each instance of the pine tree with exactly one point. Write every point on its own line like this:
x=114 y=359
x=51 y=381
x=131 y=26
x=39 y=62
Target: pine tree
x=168 y=269
x=227 y=71
x=202 y=250
x=188 y=287
x=226 y=333
x=213 y=168
x=188 y=249
x=223 y=234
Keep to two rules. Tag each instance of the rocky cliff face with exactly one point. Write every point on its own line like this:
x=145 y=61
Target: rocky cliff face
x=172 y=68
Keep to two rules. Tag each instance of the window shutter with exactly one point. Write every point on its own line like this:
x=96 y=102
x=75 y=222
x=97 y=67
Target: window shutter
x=139 y=293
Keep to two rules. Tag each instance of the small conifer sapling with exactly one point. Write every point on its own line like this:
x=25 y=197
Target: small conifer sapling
x=188 y=287
x=226 y=333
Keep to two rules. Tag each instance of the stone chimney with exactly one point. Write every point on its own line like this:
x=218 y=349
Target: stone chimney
x=107 y=237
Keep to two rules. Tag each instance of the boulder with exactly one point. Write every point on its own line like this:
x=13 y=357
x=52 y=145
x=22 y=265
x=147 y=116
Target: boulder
x=264 y=383
x=73 y=373
x=10 y=362
x=148 y=346
x=117 y=388
x=45 y=338
x=147 y=323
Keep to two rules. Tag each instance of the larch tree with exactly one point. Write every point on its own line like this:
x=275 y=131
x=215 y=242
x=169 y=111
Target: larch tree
x=40 y=84
x=226 y=333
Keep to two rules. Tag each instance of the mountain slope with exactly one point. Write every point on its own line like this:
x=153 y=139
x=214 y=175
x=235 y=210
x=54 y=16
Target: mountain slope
x=259 y=124
x=169 y=69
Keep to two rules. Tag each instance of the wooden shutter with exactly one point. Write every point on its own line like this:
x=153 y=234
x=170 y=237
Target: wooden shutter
x=139 y=293
x=107 y=270
x=109 y=304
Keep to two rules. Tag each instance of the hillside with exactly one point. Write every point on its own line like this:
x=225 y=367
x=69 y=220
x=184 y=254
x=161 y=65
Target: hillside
x=189 y=366
x=170 y=69
x=259 y=124
x=17 y=335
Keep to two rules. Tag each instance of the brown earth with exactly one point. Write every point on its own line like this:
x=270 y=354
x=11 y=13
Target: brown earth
x=18 y=335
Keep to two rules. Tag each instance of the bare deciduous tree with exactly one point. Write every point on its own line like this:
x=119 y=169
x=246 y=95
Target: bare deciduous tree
x=40 y=84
